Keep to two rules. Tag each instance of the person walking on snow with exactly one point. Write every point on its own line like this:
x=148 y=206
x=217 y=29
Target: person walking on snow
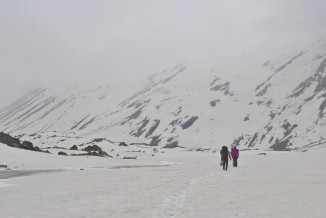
x=235 y=155
x=225 y=155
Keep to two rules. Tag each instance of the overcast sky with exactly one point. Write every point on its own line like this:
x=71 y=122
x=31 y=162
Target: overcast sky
x=48 y=43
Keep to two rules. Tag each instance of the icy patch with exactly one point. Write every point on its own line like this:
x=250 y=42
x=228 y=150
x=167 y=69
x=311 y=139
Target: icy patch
x=4 y=185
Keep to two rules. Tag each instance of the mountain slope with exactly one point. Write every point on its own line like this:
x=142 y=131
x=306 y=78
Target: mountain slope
x=278 y=104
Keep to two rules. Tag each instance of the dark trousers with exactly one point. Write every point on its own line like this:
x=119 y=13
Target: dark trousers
x=235 y=161
x=225 y=164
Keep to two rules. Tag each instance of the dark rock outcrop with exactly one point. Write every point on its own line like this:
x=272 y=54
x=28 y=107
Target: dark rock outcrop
x=123 y=144
x=91 y=148
x=189 y=122
x=62 y=153
x=27 y=145
x=74 y=147
x=173 y=144
x=9 y=140
x=15 y=142
x=98 y=139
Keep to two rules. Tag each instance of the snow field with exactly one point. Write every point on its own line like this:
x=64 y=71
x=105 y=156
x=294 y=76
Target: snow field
x=279 y=184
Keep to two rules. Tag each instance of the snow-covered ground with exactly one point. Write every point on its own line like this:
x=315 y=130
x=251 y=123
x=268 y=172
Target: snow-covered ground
x=183 y=184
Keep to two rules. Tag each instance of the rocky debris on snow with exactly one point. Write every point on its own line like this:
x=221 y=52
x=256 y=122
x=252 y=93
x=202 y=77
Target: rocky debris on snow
x=155 y=140
x=238 y=140
x=262 y=154
x=98 y=139
x=94 y=150
x=213 y=103
x=3 y=166
x=74 y=147
x=129 y=158
x=62 y=153
x=123 y=144
x=14 y=142
x=199 y=149
x=103 y=153
x=247 y=117
x=57 y=147
x=202 y=149
x=94 y=153
x=8 y=140
x=171 y=143
x=223 y=87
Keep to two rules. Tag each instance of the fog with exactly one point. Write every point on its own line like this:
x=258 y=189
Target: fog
x=67 y=42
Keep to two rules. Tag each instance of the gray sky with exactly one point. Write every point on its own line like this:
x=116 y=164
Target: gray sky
x=63 y=42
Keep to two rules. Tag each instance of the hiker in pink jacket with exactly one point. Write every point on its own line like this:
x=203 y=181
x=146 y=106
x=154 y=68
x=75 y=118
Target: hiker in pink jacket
x=235 y=155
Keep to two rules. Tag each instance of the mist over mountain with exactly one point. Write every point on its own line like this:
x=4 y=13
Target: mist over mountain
x=278 y=103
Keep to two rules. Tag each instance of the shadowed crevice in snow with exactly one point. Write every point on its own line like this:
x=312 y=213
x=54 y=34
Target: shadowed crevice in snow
x=86 y=124
x=253 y=140
x=214 y=81
x=289 y=62
x=280 y=69
x=174 y=75
x=263 y=92
x=54 y=108
x=75 y=126
x=46 y=103
x=20 y=104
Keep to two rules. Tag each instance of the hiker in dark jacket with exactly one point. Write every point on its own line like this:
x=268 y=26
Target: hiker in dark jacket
x=235 y=155
x=225 y=155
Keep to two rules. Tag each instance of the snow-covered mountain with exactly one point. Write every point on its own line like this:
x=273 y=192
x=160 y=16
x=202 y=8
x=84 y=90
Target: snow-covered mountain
x=277 y=103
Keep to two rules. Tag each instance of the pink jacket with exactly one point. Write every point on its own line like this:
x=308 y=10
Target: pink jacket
x=234 y=152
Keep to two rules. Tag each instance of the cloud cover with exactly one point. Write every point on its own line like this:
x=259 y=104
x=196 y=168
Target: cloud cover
x=65 y=42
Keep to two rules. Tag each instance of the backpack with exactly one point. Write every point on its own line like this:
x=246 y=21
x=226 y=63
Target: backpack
x=224 y=153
